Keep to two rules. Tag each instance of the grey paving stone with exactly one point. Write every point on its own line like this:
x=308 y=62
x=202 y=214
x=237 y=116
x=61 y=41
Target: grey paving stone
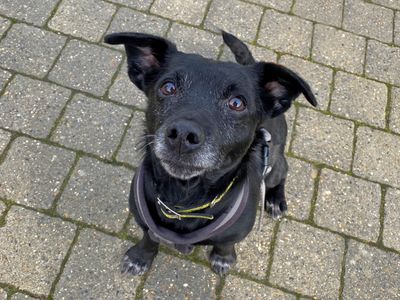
x=93 y=270
x=285 y=33
x=4 y=24
x=238 y=18
x=318 y=77
x=97 y=193
x=349 y=56
x=283 y=5
x=3 y=294
x=391 y=227
x=33 y=172
x=19 y=296
x=32 y=112
x=377 y=155
x=388 y=3
x=253 y=251
x=371 y=273
x=191 y=12
x=86 y=67
x=299 y=188
x=259 y=53
x=30 y=50
x=383 y=62
x=173 y=278
x=132 y=151
x=30 y=11
x=395 y=113
x=397 y=29
x=129 y=20
x=92 y=125
x=124 y=91
x=86 y=19
x=324 y=11
x=368 y=19
x=323 y=138
x=307 y=260
x=138 y=4
x=348 y=205
x=360 y=99
x=4 y=139
x=193 y=40
x=134 y=229
x=2 y=207
x=4 y=77
x=238 y=288
x=32 y=247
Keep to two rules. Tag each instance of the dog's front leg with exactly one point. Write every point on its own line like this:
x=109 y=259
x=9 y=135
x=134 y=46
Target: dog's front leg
x=222 y=258
x=138 y=259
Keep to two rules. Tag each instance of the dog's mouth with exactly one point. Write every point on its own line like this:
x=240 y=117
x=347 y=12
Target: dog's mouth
x=180 y=170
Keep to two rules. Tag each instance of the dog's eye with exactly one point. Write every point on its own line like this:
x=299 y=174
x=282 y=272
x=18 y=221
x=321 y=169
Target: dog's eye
x=237 y=103
x=168 y=88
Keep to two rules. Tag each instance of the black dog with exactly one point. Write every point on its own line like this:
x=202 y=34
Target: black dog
x=206 y=150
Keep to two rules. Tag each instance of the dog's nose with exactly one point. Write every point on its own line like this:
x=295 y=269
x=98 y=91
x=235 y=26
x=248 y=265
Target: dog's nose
x=184 y=136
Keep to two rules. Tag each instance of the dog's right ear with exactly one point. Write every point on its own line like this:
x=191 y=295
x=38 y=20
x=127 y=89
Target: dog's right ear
x=146 y=54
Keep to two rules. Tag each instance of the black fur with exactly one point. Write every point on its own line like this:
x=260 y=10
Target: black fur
x=196 y=144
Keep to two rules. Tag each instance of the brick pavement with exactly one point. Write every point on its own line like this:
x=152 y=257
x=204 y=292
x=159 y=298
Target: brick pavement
x=70 y=122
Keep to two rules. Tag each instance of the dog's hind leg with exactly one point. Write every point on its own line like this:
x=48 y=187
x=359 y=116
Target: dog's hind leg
x=222 y=258
x=138 y=259
x=275 y=201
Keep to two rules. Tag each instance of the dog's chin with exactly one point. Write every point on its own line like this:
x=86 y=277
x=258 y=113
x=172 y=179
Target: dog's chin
x=182 y=172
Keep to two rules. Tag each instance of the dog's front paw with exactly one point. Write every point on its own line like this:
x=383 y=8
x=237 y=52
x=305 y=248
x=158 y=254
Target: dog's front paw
x=133 y=266
x=221 y=264
x=276 y=209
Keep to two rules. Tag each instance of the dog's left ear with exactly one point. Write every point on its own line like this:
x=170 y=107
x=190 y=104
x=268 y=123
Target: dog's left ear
x=279 y=87
x=146 y=54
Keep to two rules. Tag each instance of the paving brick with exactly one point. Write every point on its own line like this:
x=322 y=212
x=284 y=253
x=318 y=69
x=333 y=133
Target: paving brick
x=307 y=260
x=129 y=20
x=383 y=62
x=286 y=33
x=30 y=50
x=397 y=29
x=323 y=138
x=395 y=113
x=259 y=53
x=192 y=40
x=33 y=172
x=371 y=273
x=134 y=229
x=191 y=12
x=173 y=278
x=2 y=209
x=368 y=19
x=377 y=155
x=388 y=3
x=30 y=11
x=348 y=205
x=360 y=99
x=299 y=188
x=349 y=56
x=283 y=5
x=32 y=247
x=86 y=19
x=290 y=116
x=4 y=24
x=86 y=67
x=318 y=77
x=132 y=151
x=253 y=252
x=238 y=288
x=93 y=270
x=324 y=11
x=138 y=4
x=238 y=18
x=4 y=139
x=3 y=294
x=97 y=193
x=391 y=227
x=125 y=92
x=32 y=112
x=19 y=296
x=91 y=125
x=4 y=77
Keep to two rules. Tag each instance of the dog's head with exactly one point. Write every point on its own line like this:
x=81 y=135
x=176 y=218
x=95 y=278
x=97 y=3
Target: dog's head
x=202 y=113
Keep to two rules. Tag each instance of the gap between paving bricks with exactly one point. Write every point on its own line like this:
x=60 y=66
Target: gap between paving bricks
x=343 y=268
